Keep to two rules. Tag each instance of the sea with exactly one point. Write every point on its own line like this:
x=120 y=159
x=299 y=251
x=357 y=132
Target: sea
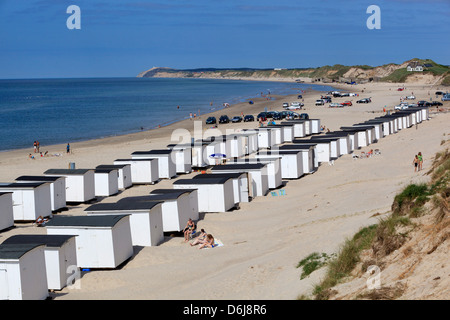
x=61 y=111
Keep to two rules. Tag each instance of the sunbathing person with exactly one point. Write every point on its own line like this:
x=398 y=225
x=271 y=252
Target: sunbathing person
x=200 y=239
x=208 y=242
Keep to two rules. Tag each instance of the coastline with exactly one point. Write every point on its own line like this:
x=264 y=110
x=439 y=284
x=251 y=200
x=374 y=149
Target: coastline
x=266 y=238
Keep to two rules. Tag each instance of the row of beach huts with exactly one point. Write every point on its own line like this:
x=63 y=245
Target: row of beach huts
x=257 y=161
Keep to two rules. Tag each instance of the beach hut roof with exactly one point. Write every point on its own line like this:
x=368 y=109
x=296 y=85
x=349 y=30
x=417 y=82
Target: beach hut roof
x=239 y=166
x=219 y=175
x=172 y=191
x=154 y=152
x=104 y=170
x=111 y=166
x=154 y=197
x=215 y=180
x=125 y=204
x=296 y=146
x=355 y=128
x=85 y=221
x=149 y=159
x=50 y=240
x=16 y=251
x=3 y=193
x=67 y=171
x=24 y=185
x=38 y=178
x=280 y=152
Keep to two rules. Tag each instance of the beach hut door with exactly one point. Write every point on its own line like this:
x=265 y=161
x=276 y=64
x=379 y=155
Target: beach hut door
x=244 y=189
x=250 y=185
x=4 y=294
x=17 y=198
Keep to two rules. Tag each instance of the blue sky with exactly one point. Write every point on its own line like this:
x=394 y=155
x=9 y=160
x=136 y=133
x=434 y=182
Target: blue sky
x=123 y=38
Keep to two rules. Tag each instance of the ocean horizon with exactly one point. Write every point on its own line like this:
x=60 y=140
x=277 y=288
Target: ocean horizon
x=66 y=110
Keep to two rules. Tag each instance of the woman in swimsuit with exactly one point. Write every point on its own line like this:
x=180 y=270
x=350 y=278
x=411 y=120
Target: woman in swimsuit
x=208 y=243
x=190 y=227
x=200 y=239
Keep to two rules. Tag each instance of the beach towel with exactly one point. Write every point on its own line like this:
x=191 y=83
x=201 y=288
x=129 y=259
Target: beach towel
x=217 y=243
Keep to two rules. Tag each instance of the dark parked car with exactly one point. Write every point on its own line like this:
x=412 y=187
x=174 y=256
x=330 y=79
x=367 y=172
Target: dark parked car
x=274 y=114
x=365 y=100
x=436 y=103
x=304 y=116
x=299 y=96
x=288 y=114
x=421 y=103
x=262 y=116
x=211 y=120
x=224 y=119
x=236 y=119
x=249 y=118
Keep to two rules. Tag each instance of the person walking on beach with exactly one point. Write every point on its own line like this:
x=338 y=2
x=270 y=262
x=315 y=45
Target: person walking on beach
x=35 y=146
x=419 y=156
x=416 y=162
x=68 y=148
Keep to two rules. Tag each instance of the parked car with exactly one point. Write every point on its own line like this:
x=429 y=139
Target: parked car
x=211 y=120
x=293 y=108
x=224 y=119
x=421 y=103
x=236 y=119
x=273 y=114
x=249 y=118
x=304 y=116
x=285 y=104
x=320 y=102
x=410 y=98
x=261 y=116
x=346 y=103
x=335 y=105
x=296 y=103
x=365 y=100
x=345 y=94
x=402 y=106
x=436 y=103
x=446 y=97
x=299 y=96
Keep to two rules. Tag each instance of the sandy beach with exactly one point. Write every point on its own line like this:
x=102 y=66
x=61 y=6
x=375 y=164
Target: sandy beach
x=266 y=238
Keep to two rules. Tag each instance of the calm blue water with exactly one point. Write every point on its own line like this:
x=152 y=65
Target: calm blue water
x=55 y=111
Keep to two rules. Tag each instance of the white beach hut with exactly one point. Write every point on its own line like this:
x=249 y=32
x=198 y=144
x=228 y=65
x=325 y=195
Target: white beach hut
x=145 y=218
x=166 y=161
x=57 y=189
x=299 y=127
x=22 y=272
x=384 y=125
x=315 y=126
x=106 y=182
x=235 y=145
x=266 y=138
x=274 y=178
x=175 y=208
x=143 y=171
x=323 y=149
x=193 y=199
x=214 y=194
x=291 y=162
x=257 y=175
x=277 y=134
x=60 y=256
x=308 y=155
x=339 y=142
x=346 y=138
x=200 y=151
x=102 y=241
x=30 y=200
x=124 y=174
x=6 y=210
x=362 y=135
x=182 y=156
x=250 y=141
x=80 y=183
x=240 y=184
x=287 y=129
